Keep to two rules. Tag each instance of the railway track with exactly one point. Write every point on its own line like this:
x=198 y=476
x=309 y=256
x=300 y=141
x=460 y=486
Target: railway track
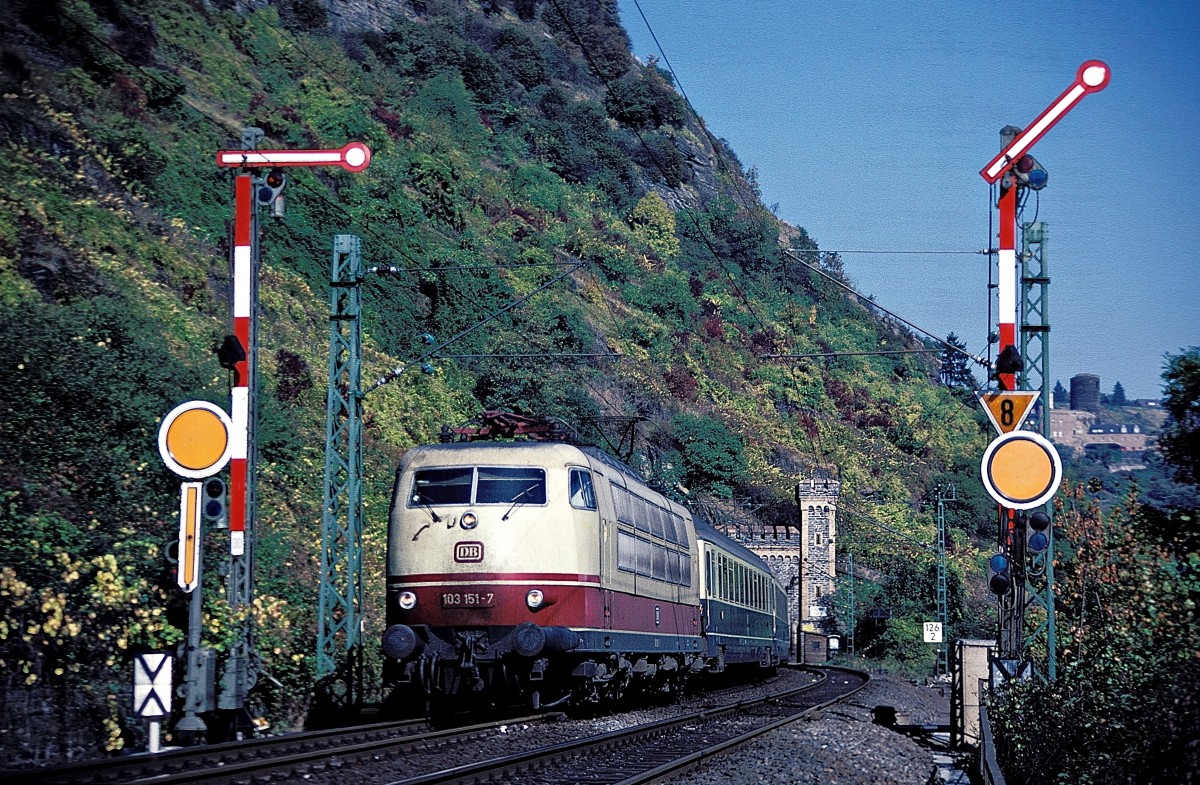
x=656 y=751
x=226 y=762
x=553 y=750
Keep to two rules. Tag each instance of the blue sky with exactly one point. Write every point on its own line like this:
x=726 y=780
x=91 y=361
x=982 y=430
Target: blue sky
x=868 y=123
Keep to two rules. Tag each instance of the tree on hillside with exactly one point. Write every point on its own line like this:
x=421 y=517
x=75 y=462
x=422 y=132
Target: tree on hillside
x=1060 y=395
x=713 y=457
x=1118 y=395
x=956 y=373
x=1124 y=706
x=1180 y=440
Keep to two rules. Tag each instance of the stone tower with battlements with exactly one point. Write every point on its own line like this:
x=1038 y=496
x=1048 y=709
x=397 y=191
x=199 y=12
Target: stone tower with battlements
x=804 y=560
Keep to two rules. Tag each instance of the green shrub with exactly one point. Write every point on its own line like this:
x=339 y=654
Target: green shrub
x=714 y=460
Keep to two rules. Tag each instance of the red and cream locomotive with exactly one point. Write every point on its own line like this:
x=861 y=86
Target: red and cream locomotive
x=548 y=572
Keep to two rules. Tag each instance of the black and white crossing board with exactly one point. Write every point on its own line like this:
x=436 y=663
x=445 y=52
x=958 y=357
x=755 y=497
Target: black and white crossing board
x=152 y=684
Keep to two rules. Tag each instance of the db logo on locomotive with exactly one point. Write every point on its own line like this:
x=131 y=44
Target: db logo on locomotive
x=468 y=552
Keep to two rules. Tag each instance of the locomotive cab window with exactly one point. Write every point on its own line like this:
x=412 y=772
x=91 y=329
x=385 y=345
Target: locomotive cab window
x=482 y=485
x=504 y=485
x=441 y=486
x=583 y=494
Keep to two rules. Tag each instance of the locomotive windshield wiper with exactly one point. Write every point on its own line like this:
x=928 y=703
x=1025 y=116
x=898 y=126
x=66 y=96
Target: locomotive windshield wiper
x=516 y=500
x=427 y=506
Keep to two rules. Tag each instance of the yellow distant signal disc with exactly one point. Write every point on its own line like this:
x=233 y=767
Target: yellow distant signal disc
x=1021 y=470
x=194 y=439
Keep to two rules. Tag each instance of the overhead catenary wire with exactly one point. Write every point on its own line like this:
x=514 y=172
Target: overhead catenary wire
x=399 y=371
x=851 y=354
x=905 y=250
x=538 y=356
x=943 y=342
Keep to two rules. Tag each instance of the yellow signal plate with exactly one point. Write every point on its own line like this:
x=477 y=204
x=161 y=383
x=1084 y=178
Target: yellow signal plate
x=1021 y=470
x=189 y=536
x=1009 y=408
x=194 y=439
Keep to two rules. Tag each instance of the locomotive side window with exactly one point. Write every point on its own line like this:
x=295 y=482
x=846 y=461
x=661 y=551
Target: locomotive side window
x=621 y=503
x=643 y=556
x=626 y=552
x=680 y=529
x=441 y=486
x=583 y=494
x=504 y=485
x=657 y=522
x=641 y=514
x=658 y=563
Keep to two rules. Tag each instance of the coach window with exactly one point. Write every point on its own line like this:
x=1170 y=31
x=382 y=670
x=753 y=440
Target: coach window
x=583 y=494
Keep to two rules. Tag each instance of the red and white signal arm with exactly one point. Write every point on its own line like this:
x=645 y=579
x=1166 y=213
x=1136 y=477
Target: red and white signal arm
x=353 y=157
x=1092 y=77
x=1021 y=470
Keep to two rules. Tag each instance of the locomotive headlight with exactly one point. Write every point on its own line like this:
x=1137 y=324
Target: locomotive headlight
x=468 y=520
x=407 y=600
x=534 y=599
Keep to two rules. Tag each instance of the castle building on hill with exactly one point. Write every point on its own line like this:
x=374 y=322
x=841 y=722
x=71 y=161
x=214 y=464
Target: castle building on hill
x=804 y=561
x=1081 y=426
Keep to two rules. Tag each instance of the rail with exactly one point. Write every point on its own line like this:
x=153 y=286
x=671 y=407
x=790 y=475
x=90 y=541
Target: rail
x=190 y=764
x=654 y=751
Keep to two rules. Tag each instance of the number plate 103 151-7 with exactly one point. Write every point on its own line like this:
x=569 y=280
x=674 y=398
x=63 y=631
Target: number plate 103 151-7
x=468 y=599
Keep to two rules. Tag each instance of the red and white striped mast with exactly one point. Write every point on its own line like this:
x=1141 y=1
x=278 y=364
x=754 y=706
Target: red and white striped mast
x=1013 y=167
x=239 y=354
x=354 y=157
x=244 y=235
x=1092 y=77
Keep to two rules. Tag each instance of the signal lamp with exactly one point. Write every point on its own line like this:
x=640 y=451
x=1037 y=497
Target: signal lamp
x=534 y=599
x=215 y=507
x=1009 y=361
x=271 y=185
x=407 y=600
x=230 y=353
x=468 y=520
x=999 y=574
x=1037 y=539
x=1030 y=174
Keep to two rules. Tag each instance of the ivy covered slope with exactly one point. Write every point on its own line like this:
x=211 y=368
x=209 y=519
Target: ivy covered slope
x=509 y=141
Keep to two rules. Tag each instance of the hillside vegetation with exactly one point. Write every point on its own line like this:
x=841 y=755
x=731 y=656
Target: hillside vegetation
x=510 y=139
